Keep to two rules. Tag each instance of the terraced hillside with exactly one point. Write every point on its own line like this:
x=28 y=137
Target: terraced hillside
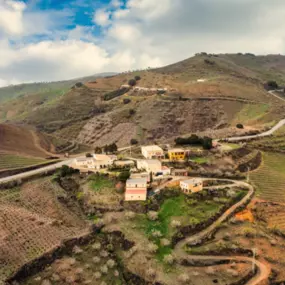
x=231 y=92
x=9 y=161
x=33 y=222
x=269 y=179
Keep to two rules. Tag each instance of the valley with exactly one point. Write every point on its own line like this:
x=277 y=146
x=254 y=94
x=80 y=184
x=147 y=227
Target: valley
x=172 y=175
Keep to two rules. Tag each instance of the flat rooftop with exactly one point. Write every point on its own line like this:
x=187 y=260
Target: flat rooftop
x=176 y=150
x=192 y=181
x=152 y=148
x=137 y=180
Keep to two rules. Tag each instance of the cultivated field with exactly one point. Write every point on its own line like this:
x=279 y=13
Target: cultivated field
x=34 y=222
x=269 y=178
x=9 y=161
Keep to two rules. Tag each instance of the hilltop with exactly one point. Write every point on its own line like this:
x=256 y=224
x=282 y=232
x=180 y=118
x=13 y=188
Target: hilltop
x=205 y=93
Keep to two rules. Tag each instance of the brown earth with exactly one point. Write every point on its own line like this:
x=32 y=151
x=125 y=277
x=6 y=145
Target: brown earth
x=34 y=220
x=24 y=141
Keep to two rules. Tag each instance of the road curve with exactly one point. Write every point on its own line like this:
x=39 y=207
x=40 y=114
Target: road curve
x=263 y=271
x=264 y=134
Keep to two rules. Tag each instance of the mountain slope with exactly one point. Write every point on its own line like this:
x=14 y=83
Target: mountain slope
x=15 y=91
x=231 y=91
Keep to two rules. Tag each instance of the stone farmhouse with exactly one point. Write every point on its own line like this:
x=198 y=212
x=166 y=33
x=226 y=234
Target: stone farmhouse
x=191 y=185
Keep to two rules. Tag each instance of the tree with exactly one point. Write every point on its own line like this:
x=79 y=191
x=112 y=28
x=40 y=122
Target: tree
x=113 y=148
x=133 y=141
x=124 y=175
x=132 y=112
x=132 y=82
x=239 y=126
x=137 y=78
x=98 y=150
x=88 y=154
x=272 y=84
x=207 y=143
x=79 y=84
x=126 y=101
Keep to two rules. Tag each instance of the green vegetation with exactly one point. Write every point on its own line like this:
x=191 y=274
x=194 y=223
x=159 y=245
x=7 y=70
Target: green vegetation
x=9 y=161
x=187 y=210
x=205 y=142
x=115 y=93
x=132 y=82
x=269 y=179
x=99 y=182
x=200 y=160
x=251 y=112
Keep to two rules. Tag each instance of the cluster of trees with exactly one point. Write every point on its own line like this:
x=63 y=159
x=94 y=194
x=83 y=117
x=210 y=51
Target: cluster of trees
x=205 y=142
x=133 y=81
x=110 y=148
x=271 y=85
x=115 y=93
x=67 y=171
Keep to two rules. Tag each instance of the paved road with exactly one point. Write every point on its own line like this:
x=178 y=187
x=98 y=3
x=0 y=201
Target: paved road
x=263 y=271
x=277 y=96
x=36 y=171
x=264 y=134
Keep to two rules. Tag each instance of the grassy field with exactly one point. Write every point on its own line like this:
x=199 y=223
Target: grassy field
x=200 y=160
x=9 y=161
x=98 y=183
x=251 y=113
x=188 y=211
x=269 y=179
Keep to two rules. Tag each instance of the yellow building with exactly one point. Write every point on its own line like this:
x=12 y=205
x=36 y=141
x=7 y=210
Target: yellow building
x=176 y=154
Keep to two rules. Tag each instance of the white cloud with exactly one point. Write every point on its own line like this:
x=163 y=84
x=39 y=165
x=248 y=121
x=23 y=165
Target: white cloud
x=102 y=17
x=116 y=3
x=11 y=17
x=144 y=33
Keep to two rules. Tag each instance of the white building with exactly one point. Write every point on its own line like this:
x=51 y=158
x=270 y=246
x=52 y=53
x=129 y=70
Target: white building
x=98 y=161
x=191 y=185
x=136 y=189
x=149 y=165
x=145 y=175
x=122 y=163
x=152 y=151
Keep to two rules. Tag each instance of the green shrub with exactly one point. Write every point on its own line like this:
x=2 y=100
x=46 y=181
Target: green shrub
x=239 y=126
x=133 y=142
x=132 y=82
x=126 y=101
x=115 y=93
x=137 y=78
x=124 y=176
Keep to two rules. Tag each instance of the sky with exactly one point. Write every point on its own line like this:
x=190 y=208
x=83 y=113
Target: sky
x=50 y=40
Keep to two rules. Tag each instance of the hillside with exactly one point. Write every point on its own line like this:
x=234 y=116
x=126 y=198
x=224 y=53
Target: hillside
x=231 y=91
x=23 y=141
x=21 y=90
